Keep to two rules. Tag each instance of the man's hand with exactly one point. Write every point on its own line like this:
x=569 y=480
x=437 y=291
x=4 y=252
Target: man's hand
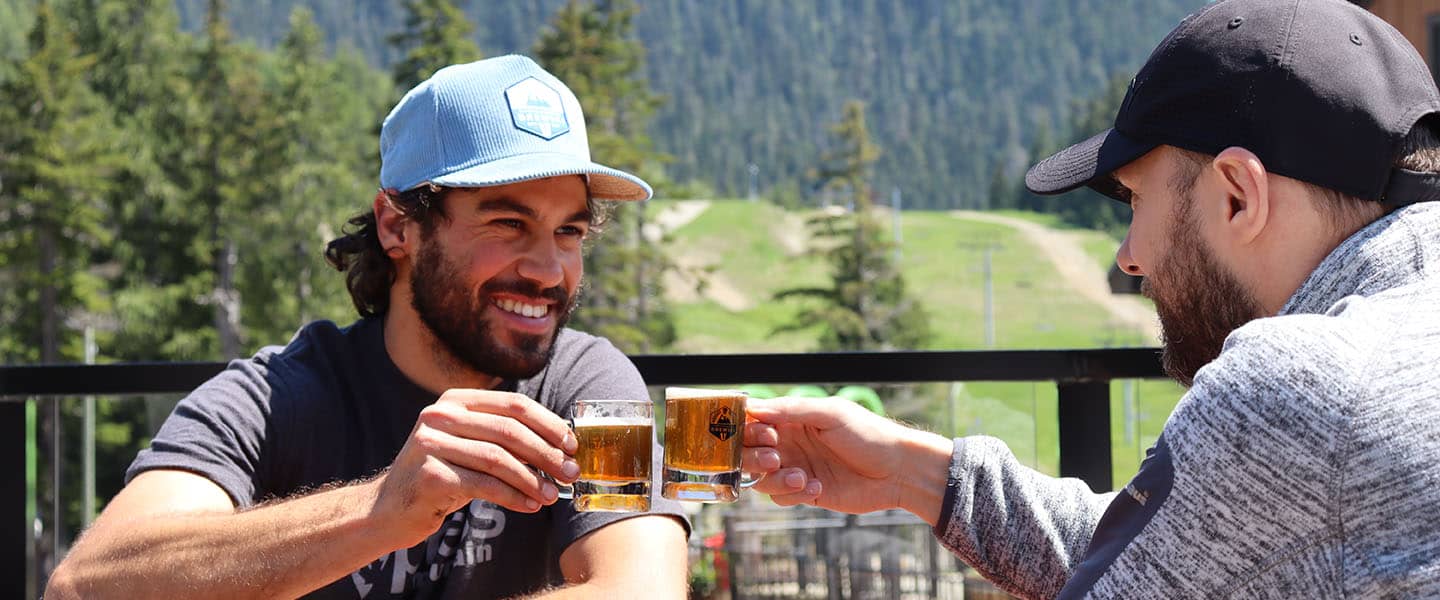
x=474 y=444
x=835 y=454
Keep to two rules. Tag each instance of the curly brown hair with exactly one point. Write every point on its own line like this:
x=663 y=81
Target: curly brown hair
x=357 y=253
x=369 y=272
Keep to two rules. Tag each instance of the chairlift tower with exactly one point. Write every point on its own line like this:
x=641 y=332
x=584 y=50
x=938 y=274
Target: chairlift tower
x=987 y=249
x=754 y=171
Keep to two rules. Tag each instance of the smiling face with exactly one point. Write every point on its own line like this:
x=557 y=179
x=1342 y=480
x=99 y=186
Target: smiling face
x=496 y=280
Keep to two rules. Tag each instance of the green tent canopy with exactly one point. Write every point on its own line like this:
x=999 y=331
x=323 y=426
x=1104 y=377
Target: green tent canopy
x=807 y=391
x=756 y=390
x=863 y=396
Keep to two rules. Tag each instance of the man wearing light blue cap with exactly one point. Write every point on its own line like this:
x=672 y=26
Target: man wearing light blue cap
x=400 y=456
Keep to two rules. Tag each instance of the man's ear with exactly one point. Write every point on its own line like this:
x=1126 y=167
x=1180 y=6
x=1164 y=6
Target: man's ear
x=1245 y=183
x=390 y=226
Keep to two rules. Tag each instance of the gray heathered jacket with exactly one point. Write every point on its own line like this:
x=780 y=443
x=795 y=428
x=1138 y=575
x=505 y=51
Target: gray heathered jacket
x=1304 y=462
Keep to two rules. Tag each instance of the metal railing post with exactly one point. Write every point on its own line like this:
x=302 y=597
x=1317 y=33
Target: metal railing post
x=732 y=551
x=14 y=531
x=1085 y=432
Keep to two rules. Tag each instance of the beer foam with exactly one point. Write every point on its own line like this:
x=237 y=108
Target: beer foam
x=682 y=393
x=611 y=421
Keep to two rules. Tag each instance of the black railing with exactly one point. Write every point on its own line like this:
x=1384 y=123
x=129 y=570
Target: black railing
x=1082 y=378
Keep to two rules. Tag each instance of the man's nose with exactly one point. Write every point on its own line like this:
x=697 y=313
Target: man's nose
x=542 y=264
x=1125 y=260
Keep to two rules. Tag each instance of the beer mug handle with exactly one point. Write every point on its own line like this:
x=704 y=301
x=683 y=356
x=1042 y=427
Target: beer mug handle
x=748 y=480
x=567 y=491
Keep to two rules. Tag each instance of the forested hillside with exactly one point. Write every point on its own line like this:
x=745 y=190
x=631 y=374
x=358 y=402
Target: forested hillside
x=955 y=88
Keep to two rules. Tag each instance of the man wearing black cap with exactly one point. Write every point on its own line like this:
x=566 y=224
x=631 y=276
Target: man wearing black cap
x=1280 y=157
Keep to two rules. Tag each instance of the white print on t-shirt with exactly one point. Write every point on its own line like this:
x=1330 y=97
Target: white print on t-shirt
x=481 y=521
x=460 y=542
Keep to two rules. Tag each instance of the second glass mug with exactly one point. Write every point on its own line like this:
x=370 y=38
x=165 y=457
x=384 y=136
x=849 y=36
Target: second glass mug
x=703 y=431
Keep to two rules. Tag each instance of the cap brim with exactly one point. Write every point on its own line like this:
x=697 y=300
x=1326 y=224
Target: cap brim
x=604 y=182
x=1087 y=163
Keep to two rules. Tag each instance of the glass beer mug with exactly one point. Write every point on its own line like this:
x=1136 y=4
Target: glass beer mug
x=614 y=439
x=703 y=431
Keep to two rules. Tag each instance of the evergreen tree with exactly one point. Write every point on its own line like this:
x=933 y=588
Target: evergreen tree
x=56 y=156
x=866 y=307
x=227 y=185
x=142 y=69
x=1094 y=211
x=313 y=175
x=436 y=35
x=1002 y=192
x=593 y=49
x=1090 y=117
x=1042 y=146
x=55 y=160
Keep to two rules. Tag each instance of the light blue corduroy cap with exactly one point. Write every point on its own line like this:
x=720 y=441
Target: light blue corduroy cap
x=492 y=122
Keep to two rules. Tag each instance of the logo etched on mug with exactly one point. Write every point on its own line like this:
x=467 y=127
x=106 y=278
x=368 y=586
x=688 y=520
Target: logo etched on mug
x=721 y=425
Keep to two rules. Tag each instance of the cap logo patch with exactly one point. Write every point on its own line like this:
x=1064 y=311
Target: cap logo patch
x=536 y=108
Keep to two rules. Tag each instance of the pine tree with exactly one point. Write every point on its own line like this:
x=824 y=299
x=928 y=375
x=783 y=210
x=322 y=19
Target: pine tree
x=313 y=176
x=436 y=35
x=227 y=184
x=1041 y=146
x=299 y=182
x=593 y=49
x=866 y=307
x=142 y=69
x=56 y=154
x=1088 y=118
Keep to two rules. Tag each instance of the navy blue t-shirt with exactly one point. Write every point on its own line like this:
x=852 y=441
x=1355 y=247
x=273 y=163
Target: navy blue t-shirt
x=331 y=407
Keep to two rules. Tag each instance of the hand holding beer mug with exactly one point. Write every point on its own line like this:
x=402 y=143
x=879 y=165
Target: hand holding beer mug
x=614 y=439
x=702 y=445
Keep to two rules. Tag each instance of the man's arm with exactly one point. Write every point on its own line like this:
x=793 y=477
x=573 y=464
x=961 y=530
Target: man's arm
x=834 y=454
x=171 y=533
x=639 y=557
x=1021 y=528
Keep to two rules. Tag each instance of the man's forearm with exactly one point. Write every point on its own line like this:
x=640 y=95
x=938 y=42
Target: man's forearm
x=926 y=473
x=284 y=549
x=1021 y=529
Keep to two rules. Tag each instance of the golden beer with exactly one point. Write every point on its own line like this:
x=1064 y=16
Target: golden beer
x=703 y=431
x=614 y=452
x=614 y=440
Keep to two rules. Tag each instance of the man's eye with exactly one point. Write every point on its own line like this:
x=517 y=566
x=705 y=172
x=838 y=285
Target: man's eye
x=571 y=230
x=510 y=223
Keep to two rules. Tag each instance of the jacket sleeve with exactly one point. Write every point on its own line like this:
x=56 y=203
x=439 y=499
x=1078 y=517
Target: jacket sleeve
x=1023 y=530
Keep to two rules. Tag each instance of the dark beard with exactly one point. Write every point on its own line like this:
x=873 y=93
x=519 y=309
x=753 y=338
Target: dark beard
x=455 y=318
x=1199 y=302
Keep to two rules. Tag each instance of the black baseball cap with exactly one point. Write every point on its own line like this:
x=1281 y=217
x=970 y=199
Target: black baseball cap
x=1322 y=91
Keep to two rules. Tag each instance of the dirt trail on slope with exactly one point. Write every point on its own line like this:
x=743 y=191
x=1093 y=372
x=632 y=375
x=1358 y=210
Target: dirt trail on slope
x=681 y=284
x=674 y=216
x=1078 y=270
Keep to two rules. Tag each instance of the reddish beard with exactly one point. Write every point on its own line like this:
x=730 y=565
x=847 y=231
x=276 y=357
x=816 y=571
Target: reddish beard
x=456 y=318
x=1199 y=301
